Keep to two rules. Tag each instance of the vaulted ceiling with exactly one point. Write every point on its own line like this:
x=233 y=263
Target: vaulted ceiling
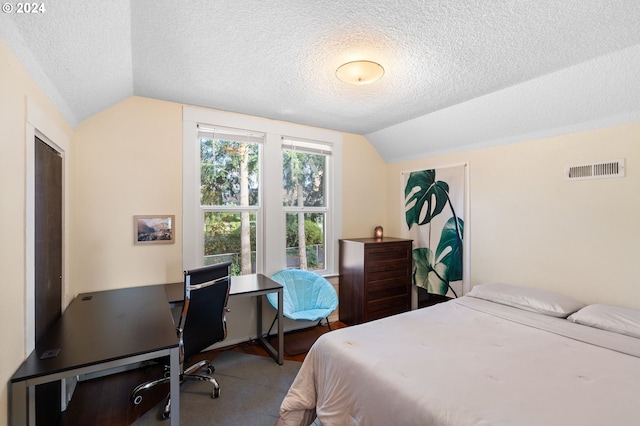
x=457 y=73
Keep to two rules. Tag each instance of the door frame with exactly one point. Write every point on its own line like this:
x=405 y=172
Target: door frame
x=39 y=124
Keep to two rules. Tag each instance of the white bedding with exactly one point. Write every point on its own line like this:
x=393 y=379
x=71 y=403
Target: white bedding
x=468 y=362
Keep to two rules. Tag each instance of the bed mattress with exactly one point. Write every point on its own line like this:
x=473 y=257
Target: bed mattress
x=468 y=362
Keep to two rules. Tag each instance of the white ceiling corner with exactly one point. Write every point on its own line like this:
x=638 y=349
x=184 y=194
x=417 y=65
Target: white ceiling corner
x=447 y=64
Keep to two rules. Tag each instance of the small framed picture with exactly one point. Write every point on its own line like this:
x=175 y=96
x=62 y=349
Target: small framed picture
x=153 y=229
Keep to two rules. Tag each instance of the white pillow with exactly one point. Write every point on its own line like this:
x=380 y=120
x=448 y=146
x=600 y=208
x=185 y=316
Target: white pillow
x=611 y=318
x=526 y=298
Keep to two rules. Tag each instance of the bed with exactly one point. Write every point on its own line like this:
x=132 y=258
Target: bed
x=501 y=355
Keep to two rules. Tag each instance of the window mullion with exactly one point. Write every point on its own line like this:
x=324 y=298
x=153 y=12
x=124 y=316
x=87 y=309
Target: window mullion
x=230 y=208
x=294 y=209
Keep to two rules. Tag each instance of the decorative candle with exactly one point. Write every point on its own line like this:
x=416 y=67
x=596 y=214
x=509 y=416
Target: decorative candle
x=377 y=233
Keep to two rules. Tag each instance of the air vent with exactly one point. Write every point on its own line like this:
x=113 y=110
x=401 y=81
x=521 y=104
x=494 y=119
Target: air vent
x=608 y=169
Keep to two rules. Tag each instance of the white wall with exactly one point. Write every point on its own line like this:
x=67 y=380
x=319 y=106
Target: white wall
x=530 y=227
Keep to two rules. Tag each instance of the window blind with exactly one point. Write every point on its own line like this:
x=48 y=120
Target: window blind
x=229 y=134
x=305 y=145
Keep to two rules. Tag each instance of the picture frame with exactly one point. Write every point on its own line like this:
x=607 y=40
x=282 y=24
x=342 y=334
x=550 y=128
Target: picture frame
x=154 y=229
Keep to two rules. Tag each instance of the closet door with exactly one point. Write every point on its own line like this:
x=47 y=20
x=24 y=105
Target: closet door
x=48 y=265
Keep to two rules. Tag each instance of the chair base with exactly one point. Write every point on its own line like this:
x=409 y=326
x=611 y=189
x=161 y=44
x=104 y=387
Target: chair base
x=190 y=373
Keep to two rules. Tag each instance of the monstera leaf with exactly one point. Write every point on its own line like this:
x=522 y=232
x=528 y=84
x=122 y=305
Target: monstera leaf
x=431 y=197
x=449 y=251
x=434 y=272
x=425 y=274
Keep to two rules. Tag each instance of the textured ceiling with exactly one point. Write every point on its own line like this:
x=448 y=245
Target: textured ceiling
x=277 y=59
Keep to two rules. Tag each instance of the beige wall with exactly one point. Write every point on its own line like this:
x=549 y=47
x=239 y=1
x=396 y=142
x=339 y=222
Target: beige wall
x=128 y=162
x=364 y=188
x=530 y=227
x=15 y=87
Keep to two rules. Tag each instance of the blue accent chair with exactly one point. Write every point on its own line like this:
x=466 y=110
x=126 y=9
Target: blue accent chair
x=307 y=296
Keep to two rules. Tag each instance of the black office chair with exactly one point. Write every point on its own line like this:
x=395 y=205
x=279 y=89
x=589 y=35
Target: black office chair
x=202 y=323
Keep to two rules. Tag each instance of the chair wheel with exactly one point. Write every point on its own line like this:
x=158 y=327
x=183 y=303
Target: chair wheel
x=137 y=399
x=211 y=369
x=216 y=393
x=166 y=414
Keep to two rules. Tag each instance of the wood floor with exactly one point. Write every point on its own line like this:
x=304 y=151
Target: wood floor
x=105 y=400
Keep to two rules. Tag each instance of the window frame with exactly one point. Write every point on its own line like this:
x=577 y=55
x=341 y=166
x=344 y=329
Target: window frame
x=270 y=212
x=251 y=137
x=315 y=148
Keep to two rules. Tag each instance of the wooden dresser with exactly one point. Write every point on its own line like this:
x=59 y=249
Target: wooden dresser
x=375 y=278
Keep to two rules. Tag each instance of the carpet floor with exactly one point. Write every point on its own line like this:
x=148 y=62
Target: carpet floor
x=252 y=388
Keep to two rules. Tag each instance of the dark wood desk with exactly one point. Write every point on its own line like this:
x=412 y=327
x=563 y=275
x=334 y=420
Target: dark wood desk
x=248 y=285
x=99 y=331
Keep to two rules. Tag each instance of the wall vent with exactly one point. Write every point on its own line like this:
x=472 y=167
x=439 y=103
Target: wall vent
x=608 y=169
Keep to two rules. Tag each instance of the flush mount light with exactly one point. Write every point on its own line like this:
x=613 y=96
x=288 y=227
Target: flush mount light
x=360 y=72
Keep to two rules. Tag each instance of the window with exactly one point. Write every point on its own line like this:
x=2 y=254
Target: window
x=250 y=193
x=305 y=168
x=230 y=196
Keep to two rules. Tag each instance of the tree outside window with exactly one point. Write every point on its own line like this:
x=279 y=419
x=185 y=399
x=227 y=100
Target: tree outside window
x=304 y=171
x=230 y=198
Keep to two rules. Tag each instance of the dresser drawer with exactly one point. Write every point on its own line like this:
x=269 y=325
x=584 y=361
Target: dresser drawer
x=399 y=270
x=388 y=288
x=385 y=307
x=388 y=254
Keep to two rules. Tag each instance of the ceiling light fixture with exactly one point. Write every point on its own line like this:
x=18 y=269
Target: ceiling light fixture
x=360 y=72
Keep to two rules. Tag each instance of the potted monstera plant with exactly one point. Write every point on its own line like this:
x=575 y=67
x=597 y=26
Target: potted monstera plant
x=426 y=198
